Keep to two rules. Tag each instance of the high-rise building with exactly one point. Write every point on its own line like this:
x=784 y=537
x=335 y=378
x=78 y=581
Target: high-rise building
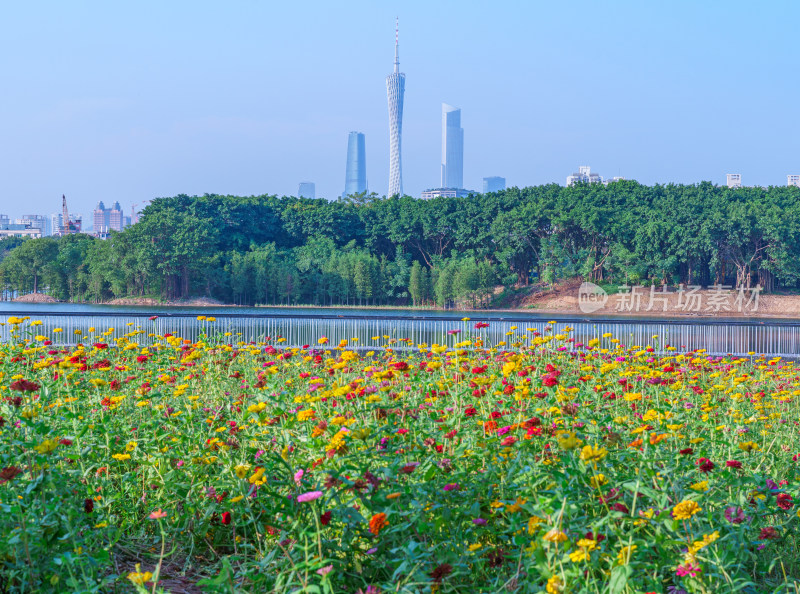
x=307 y=190
x=355 y=178
x=793 y=180
x=4 y=220
x=395 y=88
x=107 y=219
x=734 y=180
x=494 y=184
x=100 y=219
x=452 y=147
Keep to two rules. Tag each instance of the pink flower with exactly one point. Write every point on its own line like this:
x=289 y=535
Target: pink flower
x=687 y=569
x=323 y=571
x=298 y=477
x=310 y=496
x=157 y=515
x=451 y=487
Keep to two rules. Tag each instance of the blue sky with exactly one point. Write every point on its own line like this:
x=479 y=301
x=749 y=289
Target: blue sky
x=135 y=100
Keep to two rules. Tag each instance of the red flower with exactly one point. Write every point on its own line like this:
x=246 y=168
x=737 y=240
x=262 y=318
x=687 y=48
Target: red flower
x=22 y=385
x=784 y=501
x=141 y=359
x=686 y=451
x=88 y=505
x=470 y=412
x=508 y=441
x=733 y=464
x=65 y=441
x=705 y=465
x=226 y=518
x=768 y=533
x=325 y=518
x=549 y=381
x=621 y=507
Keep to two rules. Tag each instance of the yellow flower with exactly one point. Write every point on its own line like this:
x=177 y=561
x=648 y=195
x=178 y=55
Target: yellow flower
x=585 y=547
x=130 y=446
x=598 y=480
x=475 y=547
x=256 y=475
x=241 y=470
x=700 y=487
x=237 y=499
x=139 y=578
x=685 y=510
x=593 y=454
x=121 y=457
x=568 y=441
x=47 y=446
x=554 y=535
x=533 y=525
x=749 y=446
x=555 y=585
x=624 y=555
x=304 y=415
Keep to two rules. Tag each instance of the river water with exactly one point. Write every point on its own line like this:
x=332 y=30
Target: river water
x=399 y=328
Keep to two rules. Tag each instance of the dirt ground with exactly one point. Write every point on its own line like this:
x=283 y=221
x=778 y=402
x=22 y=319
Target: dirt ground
x=568 y=296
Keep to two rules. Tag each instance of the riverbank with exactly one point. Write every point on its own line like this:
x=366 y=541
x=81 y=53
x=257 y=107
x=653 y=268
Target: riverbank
x=564 y=298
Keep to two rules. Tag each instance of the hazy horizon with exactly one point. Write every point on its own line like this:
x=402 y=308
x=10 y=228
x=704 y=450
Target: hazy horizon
x=131 y=102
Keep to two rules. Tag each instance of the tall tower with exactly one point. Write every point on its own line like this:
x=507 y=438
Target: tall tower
x=395 y=88
x=355 y=179
x=452 y=148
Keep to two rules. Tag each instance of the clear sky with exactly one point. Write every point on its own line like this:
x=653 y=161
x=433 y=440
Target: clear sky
x=133 y=100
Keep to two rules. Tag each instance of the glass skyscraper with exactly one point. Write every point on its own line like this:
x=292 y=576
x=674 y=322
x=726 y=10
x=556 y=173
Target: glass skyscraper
x=306 y=190
x=355 y=179
x=452 y=147
x=494 y=184
x=395 y=88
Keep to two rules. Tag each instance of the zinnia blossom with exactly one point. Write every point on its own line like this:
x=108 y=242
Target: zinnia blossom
x=377 y=523
x=310 y=496
x=685 y=510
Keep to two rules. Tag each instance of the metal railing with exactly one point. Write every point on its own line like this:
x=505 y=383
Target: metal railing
x=718 y=337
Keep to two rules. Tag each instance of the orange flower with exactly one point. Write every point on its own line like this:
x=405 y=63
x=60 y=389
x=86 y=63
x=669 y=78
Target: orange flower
x=377 y=523
x=392 y=495
x=636 y=443
x=654 y=439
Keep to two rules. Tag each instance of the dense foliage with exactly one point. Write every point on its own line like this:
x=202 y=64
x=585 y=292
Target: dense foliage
x=266 y=249
x=535 y=464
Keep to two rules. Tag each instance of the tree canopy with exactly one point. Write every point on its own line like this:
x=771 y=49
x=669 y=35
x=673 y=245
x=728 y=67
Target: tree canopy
x=402 y=250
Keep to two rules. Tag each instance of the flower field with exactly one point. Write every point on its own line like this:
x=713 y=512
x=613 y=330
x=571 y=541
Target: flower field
x=538 y=464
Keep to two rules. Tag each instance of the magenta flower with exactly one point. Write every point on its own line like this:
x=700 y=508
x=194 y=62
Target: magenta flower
x=310 y=496
x=687 y=569
x=451 y=487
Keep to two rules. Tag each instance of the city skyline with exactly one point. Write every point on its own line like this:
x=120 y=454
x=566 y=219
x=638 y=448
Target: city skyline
x=116 y=123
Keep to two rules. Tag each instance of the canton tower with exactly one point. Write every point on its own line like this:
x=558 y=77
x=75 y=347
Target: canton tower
x=395 y=87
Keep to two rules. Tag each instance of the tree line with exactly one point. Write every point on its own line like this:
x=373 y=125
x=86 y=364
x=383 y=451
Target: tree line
x=401 y=250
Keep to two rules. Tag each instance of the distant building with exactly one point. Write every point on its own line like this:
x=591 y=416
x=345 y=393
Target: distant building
x=307 y=190
x=395 y=89
x=734 y=180
x=4 y=220
x=452 y=148
x=793 y=180
x=19 y=230
x=584 y=175
x=355 y=177
x=447 y=193
x=611 y=180
x=36 y=222
x=108 y=219
x=493 y=184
